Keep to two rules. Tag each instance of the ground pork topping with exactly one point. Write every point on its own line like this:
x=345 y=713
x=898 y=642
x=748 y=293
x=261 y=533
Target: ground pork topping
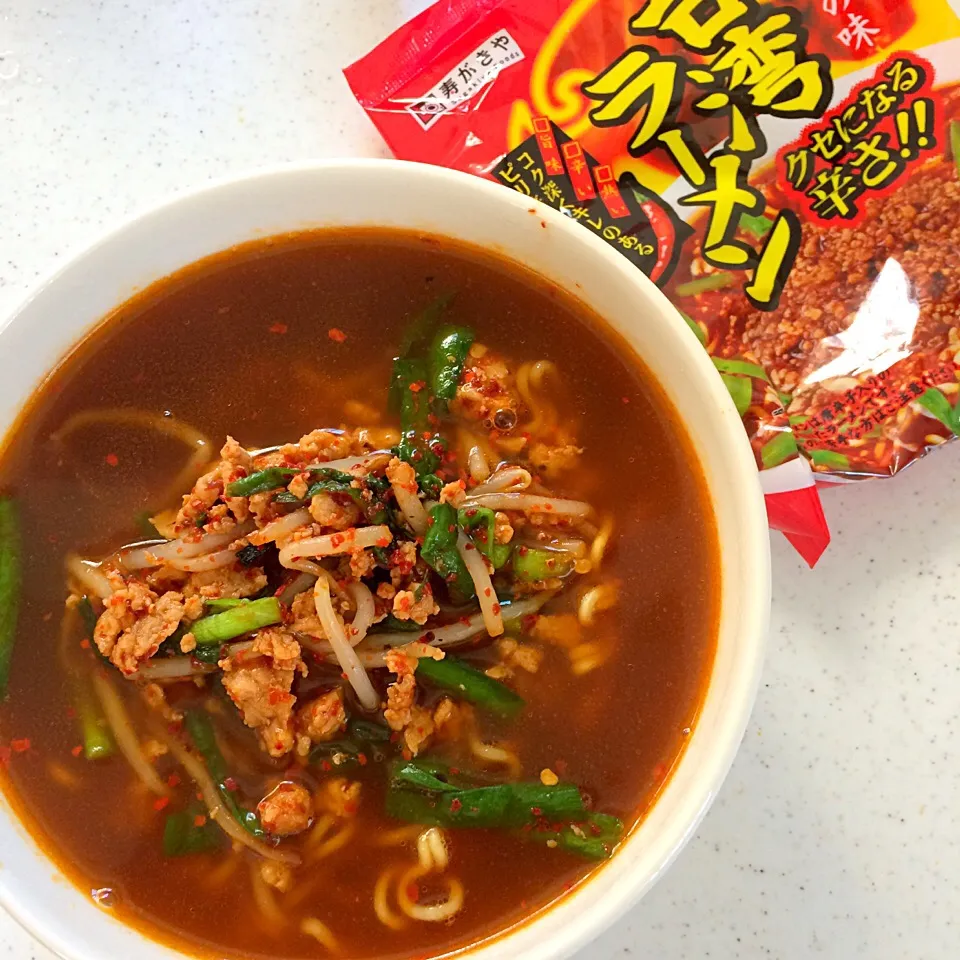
x=235 y=463
x=286 y=810
x=486 y=389
x=135 y=622
x=417 y=604
x=259 y=683
x=236 y=582
x=320 y=720
x=334 y=513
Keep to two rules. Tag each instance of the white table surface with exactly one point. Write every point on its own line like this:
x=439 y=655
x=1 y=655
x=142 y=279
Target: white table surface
x=837 y=834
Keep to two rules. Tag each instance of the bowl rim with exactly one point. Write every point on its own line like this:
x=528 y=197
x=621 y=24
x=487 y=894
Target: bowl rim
x=574 y=923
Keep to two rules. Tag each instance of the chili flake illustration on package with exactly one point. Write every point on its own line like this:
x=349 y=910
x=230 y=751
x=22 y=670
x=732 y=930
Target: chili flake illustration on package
x=553 y=168
x=865 y=145
x=756 y=63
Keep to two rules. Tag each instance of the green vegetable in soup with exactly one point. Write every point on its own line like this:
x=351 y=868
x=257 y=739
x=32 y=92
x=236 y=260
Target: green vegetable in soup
x=448 y=356
x=531 y=564
x=200 y=729
x=440 y=553
x=221 y=627
x=594 y=839
x=417 y=794
x=418 y=441
x=468 y=683
x=95 y=731
x=190 y=831
x=10 y=581
x=364 y=741
x=480 y=523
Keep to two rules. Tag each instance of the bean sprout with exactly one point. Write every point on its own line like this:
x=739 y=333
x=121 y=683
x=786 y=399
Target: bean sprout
x=530 y=503
x=335 y=544
x=343 y=651
x=486 y=594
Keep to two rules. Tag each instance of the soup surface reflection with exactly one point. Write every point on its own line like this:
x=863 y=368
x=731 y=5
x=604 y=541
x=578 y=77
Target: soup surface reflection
x=396 y=665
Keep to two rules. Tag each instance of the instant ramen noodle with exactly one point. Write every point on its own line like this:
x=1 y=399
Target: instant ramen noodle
x=787 y=174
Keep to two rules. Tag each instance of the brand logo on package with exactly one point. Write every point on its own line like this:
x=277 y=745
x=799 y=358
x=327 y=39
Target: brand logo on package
x=467 y=79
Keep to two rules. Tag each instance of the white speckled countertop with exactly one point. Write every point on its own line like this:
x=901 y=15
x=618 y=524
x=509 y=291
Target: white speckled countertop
x=837 y=834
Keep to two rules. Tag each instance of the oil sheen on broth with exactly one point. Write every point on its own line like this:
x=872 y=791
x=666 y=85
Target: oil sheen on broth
x=266 y=343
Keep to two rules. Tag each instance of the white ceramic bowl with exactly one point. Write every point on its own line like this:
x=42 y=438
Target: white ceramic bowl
x=392 y=193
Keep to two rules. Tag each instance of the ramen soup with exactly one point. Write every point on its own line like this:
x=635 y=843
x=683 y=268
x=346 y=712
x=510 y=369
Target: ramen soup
x=361 y=589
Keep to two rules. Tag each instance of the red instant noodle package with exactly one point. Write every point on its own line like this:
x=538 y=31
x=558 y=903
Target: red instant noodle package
x=788 y=174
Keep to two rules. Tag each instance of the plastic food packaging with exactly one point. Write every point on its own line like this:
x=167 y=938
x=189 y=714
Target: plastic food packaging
x=788 y=174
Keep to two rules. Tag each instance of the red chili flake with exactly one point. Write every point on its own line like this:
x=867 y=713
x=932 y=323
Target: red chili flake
x=230 y=784
x=417 y=386
x=455 y=804
x=160 y=803
x=469 y=546
x=452 y=528
x=383 y=541
x=496 y=608
x=199 y=796
x=568 y=886
x=594 y=829
x=486 y=591
x=20 y=746
x=548 y=506
x=523 y=551
x=84 y=644
x=52 y=538
x=112 y=459
x=659 y=771
x=199 y=820
x=625 y=399
x=560 y=766
x=71 y=713
x=275 y=697
x=173 y=780
x=362 y=759
x=336 y=335
x=77 y=750
x=413 y=892
x=406 y=754
x=465 y=621
x=325 y=766
x=337 y=539
x=426 y=435
x=536 y=811
x=278 y=328
x=433 y=419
